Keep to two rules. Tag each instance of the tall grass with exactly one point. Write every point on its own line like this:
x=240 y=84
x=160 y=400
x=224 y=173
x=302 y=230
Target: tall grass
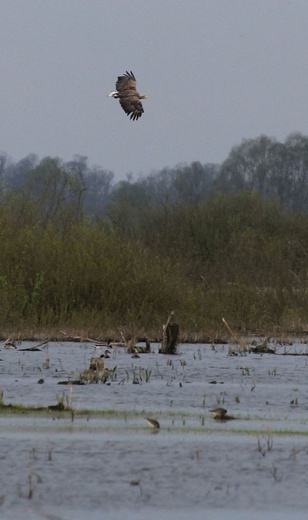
x=235 y=256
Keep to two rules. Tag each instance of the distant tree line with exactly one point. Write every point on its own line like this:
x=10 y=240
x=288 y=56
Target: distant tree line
x=275 y=170
x=209 y=241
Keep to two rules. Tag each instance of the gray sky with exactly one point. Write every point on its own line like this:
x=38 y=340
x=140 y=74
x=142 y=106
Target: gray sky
x=215 y=71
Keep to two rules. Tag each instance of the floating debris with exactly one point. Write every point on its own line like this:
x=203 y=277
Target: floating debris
x=35 y=348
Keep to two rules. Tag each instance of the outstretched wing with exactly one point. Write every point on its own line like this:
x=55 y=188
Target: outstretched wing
x=128 y=95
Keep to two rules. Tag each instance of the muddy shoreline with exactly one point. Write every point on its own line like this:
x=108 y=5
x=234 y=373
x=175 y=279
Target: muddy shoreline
x=93 y=335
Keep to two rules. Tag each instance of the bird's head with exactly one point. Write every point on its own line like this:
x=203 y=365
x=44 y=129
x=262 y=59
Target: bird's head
x=113 y=94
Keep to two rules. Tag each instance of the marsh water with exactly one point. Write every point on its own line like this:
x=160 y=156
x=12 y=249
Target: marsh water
x=104 y=461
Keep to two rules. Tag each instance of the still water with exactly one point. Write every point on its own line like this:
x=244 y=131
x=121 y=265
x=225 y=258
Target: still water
x=115 y=466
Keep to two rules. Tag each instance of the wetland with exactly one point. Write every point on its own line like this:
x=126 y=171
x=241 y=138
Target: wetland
x=99 y=457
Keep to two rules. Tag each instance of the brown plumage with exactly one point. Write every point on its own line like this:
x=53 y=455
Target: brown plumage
x=128 y=96
x=219 y=413
x=153 y=423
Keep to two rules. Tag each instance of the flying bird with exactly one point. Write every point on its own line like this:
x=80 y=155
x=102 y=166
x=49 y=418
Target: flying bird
x=128 y=96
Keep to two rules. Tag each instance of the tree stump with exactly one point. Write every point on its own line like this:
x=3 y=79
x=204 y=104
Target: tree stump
x=170 y=336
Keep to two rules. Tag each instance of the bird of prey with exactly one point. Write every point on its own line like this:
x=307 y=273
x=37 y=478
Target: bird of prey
x=128 y=96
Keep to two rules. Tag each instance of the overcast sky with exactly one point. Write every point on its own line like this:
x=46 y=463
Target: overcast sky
x=215 y=71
